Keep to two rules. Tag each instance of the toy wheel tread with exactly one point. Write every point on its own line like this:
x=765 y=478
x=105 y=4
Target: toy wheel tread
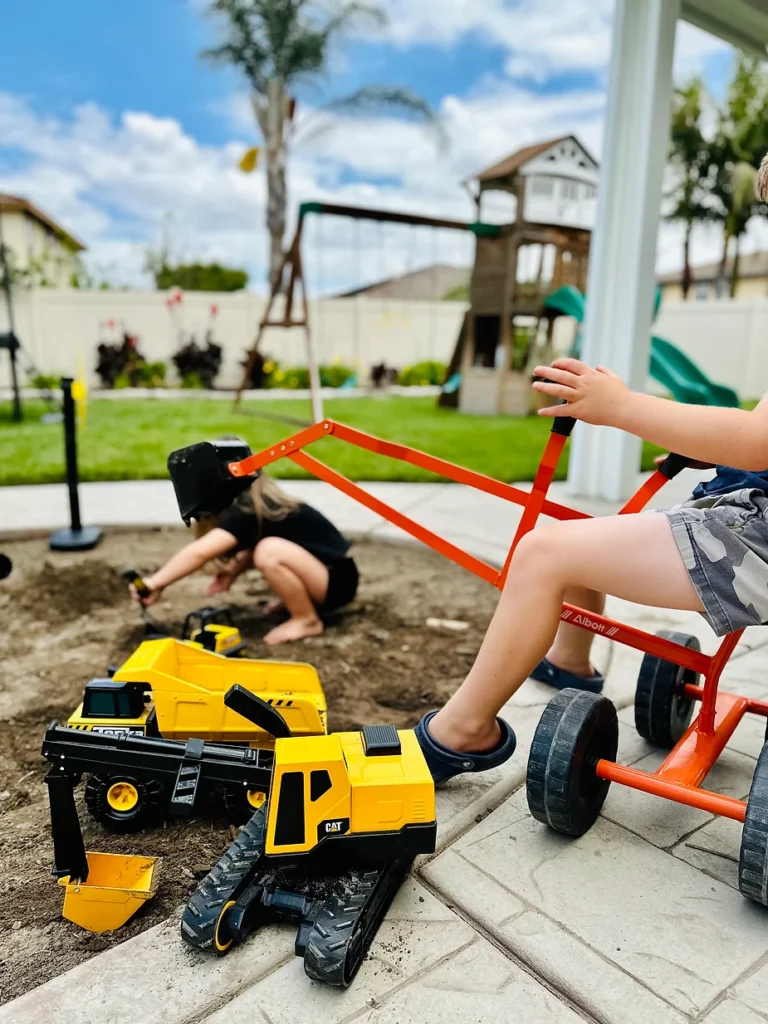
x=200 y=920
x=576 y=730
x=753 y=857
x=123 y=804
x=348 y=921
x=662 y=713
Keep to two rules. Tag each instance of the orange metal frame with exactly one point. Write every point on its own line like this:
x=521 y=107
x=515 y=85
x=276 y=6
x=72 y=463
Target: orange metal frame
x=680 y=776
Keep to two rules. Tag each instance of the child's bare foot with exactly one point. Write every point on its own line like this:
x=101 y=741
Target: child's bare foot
x=294 y=629
x=274 y=605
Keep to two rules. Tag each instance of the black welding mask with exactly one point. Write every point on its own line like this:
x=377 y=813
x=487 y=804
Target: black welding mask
x=202 y=482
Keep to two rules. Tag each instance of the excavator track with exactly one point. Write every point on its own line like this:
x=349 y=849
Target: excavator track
x=348 y=920
x=337 y=915
x=230 y=876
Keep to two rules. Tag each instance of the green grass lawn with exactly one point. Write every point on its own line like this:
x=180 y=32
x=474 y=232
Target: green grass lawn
x=131 y=439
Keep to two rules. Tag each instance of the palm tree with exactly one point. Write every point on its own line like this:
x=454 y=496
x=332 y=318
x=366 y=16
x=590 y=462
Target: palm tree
x=279 y=45
x=689 y=160
x=740 y=142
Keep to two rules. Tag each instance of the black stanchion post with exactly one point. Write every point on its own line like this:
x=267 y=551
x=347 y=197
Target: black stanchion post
x=77 y=537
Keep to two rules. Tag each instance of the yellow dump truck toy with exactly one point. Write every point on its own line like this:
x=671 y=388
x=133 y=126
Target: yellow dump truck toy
x=173 y=689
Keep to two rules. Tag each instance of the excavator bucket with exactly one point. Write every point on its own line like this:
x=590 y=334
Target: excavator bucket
x=203 y=484
x=115 y=889
x=101 y=890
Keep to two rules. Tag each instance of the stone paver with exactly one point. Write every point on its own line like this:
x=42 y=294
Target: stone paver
x=714 y=849
x=151 y=979
x=656 y=919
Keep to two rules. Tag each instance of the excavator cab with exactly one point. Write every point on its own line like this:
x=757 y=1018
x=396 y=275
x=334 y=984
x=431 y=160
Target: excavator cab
x=367 y=794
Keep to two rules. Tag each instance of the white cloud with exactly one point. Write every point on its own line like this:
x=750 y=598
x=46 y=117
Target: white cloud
x=113 y=183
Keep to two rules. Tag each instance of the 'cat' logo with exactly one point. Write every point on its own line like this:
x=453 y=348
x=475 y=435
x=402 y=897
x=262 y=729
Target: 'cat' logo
x=332 y=827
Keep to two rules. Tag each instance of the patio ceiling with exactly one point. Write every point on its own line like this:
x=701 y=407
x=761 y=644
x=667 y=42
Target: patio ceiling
x=741 y=22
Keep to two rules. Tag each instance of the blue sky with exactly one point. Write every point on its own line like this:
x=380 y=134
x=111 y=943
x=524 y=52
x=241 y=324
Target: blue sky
x=110 y=121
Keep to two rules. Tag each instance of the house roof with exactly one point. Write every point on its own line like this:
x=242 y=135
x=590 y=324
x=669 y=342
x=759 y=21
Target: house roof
x=751 y=264
x=509 y=165
x=426 y=284
x=19 y=204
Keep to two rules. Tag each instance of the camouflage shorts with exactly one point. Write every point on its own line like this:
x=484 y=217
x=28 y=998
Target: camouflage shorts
x=723 y=541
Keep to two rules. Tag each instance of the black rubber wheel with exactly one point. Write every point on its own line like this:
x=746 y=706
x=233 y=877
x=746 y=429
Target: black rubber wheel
x=203 y=923
x=753 y=858
x=662 y=713
x=147 y=809
x=576 y=730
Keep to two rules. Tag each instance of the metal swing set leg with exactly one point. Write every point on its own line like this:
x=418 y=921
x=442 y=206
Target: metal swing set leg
x=668 y=686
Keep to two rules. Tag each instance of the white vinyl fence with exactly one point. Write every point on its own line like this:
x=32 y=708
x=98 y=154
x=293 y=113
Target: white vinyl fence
x=728 y=339
x=56 y=327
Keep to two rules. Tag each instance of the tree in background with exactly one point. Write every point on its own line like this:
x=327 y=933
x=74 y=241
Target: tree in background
x=689 y=161
x=279 y=46
x=200 y=277
x=740 y=142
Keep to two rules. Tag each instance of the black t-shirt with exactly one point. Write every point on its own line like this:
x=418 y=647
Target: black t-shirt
x=304 y=526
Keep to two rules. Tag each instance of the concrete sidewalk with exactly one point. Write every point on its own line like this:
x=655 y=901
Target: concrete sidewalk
x=638 y=922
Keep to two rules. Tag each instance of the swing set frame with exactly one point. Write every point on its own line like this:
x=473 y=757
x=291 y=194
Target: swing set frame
x=680 y=776
x=290 y=279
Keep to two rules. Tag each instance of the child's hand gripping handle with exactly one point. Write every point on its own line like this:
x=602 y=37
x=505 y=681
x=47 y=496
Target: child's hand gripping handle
x=131 y=576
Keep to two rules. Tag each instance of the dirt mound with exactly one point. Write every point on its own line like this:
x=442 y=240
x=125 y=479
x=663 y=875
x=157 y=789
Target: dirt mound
x=60 y=593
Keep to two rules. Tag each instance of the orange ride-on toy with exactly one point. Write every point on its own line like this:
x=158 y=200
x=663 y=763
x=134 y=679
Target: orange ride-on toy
x=573 y=755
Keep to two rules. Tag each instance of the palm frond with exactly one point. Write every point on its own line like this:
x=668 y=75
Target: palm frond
x=381 y=99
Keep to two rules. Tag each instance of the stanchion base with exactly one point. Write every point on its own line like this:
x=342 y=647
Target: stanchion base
x=75 y=540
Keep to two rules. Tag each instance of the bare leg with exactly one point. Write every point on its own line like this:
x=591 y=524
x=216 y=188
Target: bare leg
x=632 y=557
x=298 y=579
x=572 y=646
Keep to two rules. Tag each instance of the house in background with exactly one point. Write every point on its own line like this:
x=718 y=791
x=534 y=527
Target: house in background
x=554 y=182
x=42 y=250
x=752 y=284
x=435 y=283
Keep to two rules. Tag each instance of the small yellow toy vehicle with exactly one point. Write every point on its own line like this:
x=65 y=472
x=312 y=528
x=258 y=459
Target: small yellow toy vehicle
x=346 y=815
x=174 y=689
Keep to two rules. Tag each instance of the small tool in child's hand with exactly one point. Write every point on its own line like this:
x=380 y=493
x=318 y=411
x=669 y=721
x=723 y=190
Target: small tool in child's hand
x=131 y=576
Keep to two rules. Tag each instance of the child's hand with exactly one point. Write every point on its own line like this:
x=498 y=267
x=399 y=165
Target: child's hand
x=154 y=595
x=220 y=583
x=594 y=395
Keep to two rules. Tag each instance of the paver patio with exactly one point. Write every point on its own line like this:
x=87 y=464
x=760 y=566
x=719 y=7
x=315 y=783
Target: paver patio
x=637 y=922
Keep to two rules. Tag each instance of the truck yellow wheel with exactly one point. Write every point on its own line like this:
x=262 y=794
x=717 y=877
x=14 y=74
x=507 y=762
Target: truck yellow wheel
x=122 y=796
x=255 y=798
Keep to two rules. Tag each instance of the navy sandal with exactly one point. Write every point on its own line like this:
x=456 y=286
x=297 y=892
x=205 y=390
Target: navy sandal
x=444 y=763
x=546 y=672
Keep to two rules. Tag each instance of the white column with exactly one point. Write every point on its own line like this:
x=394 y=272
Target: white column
x=621 y=269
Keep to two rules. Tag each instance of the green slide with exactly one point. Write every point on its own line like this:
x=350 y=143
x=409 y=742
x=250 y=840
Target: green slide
x=669 y=365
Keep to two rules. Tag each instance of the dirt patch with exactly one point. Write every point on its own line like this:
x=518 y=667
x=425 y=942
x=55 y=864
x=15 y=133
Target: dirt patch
x=67 y=617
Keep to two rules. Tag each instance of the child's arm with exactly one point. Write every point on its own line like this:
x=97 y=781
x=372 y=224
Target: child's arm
x=191 y=558
x=729 y=437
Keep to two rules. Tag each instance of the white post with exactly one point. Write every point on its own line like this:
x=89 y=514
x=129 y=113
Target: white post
x=617 y=327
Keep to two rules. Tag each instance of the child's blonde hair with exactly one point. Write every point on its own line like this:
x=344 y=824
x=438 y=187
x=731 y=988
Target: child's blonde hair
x=264 y=498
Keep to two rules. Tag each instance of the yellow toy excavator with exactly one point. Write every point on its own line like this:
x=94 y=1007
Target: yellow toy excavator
x=346 y=815
x=173 y=689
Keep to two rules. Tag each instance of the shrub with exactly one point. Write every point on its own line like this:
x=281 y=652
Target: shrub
x=428 y=372
x=45 y=381
x=293 y=377
x=200 y=277
x=335 y=375
x=152 y=375
x=121 y=361
x=204 y=362
x=192 y=381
